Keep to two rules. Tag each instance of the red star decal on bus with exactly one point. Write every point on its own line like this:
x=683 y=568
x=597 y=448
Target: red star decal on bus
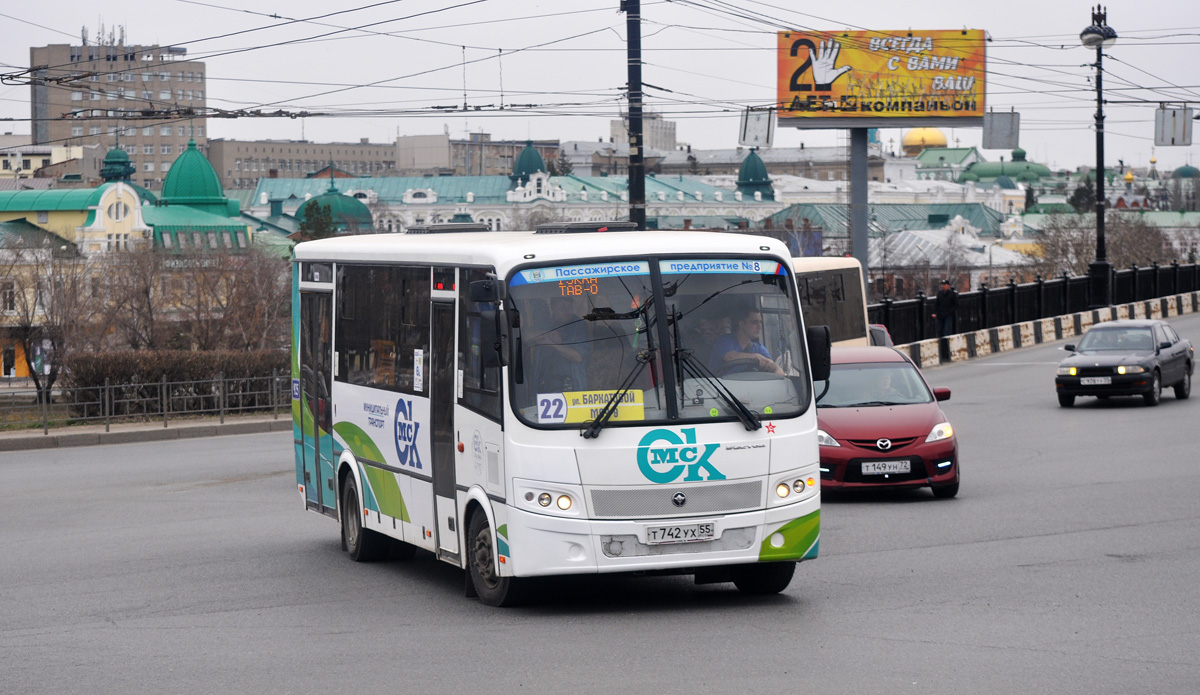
x=771 y=428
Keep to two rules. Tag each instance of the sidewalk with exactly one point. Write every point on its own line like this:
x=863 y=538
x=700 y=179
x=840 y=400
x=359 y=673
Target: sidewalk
x=88 y=435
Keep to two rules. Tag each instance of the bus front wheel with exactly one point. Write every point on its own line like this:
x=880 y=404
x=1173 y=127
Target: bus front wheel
x=492 y=589
x=363 y=544
x=763 y=578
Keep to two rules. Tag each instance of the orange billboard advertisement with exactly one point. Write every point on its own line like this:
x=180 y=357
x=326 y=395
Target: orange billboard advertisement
x=879 y=79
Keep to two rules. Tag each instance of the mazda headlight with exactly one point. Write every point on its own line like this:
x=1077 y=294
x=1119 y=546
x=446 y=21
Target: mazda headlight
x=823 y=439
x=1066 y=371
x=1131 y=369
x=940 y=431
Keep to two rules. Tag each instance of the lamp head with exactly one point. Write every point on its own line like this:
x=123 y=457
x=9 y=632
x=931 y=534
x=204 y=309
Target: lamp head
x=1099 y=33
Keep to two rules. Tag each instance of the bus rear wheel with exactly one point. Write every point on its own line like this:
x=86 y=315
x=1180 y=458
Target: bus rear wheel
x=492 y=589
x=363 y=544
x=763 y=578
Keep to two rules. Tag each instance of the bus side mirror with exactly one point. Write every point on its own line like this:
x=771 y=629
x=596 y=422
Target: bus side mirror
x=819 y=342
x=490 y=290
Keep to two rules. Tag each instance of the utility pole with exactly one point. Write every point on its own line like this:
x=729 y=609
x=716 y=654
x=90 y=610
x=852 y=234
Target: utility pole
x=637 y=161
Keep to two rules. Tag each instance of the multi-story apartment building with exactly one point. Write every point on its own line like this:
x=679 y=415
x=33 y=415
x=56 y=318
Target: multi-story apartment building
x=241 y=163
x=478 y=155
x=148 y=100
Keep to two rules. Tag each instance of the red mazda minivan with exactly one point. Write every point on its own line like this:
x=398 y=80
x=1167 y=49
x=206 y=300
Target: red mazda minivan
x=880 y=425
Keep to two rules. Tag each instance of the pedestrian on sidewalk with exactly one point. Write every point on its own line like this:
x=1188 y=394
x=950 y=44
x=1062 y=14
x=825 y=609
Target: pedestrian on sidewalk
x=945 y=307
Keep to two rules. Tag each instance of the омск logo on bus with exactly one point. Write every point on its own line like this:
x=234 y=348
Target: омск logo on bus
x=663 y=456
x=406 y=431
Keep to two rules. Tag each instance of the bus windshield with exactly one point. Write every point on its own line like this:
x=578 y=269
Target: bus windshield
x=725 y=343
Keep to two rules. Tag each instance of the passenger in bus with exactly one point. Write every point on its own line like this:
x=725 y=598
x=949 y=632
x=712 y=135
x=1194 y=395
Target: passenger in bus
x=743 y=345
x=558 y=355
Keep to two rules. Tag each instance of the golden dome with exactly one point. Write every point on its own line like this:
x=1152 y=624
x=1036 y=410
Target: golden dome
x=1129 y=176
x=1153 y=160
x=919 y=139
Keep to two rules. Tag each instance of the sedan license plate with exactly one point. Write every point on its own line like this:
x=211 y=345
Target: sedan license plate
x=885 y=467
x=679 y=534
x=1095 y=380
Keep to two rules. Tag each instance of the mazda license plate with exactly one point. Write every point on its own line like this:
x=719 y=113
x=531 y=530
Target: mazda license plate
x=1095 y=380
x=679 y=534
x=885 y=467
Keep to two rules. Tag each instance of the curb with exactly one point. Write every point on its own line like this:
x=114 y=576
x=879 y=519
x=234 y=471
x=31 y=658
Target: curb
x=146 y=434
x=967 y=346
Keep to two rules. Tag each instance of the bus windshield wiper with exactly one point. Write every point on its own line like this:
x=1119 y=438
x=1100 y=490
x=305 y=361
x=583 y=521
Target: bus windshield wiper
x=610 y=408
x=697 y=369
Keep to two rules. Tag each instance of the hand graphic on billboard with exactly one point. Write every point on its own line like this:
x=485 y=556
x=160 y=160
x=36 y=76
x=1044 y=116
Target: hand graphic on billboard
x=824 y=62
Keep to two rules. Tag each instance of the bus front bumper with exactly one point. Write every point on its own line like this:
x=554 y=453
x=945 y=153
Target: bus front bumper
x=541 y=544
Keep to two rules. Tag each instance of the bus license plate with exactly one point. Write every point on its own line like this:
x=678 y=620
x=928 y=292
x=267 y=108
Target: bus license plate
x=679 y=534
x=1095 y=380
x=884 y=467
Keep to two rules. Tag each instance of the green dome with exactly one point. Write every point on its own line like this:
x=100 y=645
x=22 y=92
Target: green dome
x=192 y=180
x=528 y=162
x=752 y=177
x=1019 y=168
x=116 y=166
x=967 y=177
x=1187 y=171
x=753 y=171
x=349 y=214
x=1018 y=155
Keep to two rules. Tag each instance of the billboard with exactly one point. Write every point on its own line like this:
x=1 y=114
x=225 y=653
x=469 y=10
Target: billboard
x=879 y=79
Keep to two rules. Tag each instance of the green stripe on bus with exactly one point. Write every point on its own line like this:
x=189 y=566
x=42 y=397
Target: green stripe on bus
x=387 y=493
x=799 y=538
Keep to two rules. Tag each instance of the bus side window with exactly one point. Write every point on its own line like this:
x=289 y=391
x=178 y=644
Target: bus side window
x=481 y=390
x=383 y=317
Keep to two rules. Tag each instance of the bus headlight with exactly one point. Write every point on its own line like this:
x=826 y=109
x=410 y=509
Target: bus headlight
x=564 y=502
x=544 y=499
x=782 y=490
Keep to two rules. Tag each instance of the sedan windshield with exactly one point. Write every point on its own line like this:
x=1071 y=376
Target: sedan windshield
x=724 y=344
x=1138 y=339
x=873 y=384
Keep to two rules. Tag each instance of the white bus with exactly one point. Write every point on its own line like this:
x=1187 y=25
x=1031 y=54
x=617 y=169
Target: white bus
x=551 y=403
x=832 y=294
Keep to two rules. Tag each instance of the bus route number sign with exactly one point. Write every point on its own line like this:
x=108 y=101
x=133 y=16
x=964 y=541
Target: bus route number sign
x=578 y=287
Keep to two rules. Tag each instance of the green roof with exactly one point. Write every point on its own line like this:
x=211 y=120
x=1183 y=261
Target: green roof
x=528 y=163
x=192 y=180
x=834 y=218
x=942 y=156
x=186 y=218
x=19 y=233
x=51 y=200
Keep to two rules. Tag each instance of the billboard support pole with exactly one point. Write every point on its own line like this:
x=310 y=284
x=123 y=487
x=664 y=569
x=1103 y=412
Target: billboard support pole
x=858 y=196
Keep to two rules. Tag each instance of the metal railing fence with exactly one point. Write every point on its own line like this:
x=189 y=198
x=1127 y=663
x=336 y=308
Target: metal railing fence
x=910 y=320
x=157 y=401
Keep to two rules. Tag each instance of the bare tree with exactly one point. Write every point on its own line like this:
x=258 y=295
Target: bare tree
x=258 y=306
x=136 y=305
x=52 y=308
x=200 y=285
x=1068 y=242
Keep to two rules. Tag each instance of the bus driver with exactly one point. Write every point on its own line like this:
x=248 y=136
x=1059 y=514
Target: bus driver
x=744 y=342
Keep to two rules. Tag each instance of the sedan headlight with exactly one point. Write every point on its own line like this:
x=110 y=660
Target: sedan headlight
x=823 y=439
x=940 y=431
x=1066 y=371
x=1130 y=369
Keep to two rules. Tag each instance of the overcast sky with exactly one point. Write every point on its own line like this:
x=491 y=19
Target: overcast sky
x=559 y=67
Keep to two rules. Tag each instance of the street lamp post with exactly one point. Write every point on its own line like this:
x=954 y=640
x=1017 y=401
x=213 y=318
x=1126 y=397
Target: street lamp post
x=1099 y=36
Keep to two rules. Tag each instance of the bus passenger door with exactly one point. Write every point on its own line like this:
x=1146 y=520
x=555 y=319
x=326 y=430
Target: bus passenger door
x=316 y=417
x=441 y=396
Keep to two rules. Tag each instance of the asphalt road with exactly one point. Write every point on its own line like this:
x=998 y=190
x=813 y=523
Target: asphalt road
x=1068 y=564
